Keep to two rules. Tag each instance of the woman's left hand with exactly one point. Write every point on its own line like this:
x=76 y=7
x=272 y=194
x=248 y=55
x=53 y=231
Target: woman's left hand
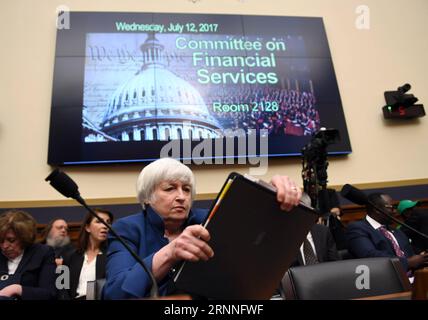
x=287 y=194
x=11 y=291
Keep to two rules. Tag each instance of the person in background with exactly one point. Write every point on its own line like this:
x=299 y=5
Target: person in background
x=416 y=218
x=329 y=204
x=319 y=245
x=167 y=231
x=88 y=261
x=336 y=227
x=373 y=236
x=56 y=236
x=27 y=269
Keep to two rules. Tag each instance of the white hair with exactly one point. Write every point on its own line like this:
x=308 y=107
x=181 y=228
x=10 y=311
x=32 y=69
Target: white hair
x=57 y=242
x=164 y=169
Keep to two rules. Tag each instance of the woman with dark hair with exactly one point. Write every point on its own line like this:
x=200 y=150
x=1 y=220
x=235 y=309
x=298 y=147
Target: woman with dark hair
x=27 y=269
x=88 y=261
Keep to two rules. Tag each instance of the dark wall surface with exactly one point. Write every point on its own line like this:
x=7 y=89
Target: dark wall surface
x=76 y=213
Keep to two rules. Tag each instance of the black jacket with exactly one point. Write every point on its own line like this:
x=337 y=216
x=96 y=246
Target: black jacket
x=419 y=221
x=65 y=251
x=75 y=263
x=35 y=272
x=324 y=245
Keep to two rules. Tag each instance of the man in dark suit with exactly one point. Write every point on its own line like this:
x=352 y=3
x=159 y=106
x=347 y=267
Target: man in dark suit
x=330 y=206
x=373 y=237
x=319 y=246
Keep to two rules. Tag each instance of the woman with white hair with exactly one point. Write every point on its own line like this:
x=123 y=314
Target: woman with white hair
x=168 y=230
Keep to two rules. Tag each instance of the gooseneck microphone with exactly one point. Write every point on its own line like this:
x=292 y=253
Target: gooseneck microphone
x=67 y=187
x=357 y=196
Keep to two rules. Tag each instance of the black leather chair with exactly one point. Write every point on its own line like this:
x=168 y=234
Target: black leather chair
x=337 y=280
x=94 y=289
x=344 y=254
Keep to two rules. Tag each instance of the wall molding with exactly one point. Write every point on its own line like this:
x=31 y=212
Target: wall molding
x=91 y=202
x=386 y=184
x=202 y=196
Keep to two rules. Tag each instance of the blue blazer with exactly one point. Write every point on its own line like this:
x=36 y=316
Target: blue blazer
x=364 y=241
x=144 y=233
x=35 y=272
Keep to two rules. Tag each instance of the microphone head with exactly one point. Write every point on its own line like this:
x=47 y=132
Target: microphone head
x=63 y=184
x=354 y=194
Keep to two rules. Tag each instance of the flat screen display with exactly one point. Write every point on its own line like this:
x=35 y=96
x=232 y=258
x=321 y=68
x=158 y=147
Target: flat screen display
x=132 y=87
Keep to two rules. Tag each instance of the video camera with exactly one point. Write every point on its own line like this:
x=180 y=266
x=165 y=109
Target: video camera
x=314 y=161
x=400 y=105
x=399 y=97
x=319 y=142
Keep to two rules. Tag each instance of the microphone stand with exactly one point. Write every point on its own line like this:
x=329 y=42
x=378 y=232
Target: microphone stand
x=154 y=291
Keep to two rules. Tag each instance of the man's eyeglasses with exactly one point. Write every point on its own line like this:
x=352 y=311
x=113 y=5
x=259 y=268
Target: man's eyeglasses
x=390 y=207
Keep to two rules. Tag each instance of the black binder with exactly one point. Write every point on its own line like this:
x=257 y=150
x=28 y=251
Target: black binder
x=254 y=243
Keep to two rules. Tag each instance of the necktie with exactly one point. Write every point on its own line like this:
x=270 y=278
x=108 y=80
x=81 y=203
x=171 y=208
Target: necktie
x=308 y=252
x=398 y=252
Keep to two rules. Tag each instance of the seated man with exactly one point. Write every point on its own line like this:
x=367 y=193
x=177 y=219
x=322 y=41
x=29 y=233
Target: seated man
x=56 y=236
x=416 y=218
x=319 y=245
x=373 y=237
x=332 y=206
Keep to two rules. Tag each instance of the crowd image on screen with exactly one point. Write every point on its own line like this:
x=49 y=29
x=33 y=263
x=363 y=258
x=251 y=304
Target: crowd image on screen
x=290 y=112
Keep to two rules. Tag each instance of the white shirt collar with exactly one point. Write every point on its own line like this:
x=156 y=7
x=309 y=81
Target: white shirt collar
x=376 y=225
x=18 y=258
x=13 y=264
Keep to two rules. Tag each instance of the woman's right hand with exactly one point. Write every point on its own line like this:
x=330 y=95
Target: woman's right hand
x=191 y=245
